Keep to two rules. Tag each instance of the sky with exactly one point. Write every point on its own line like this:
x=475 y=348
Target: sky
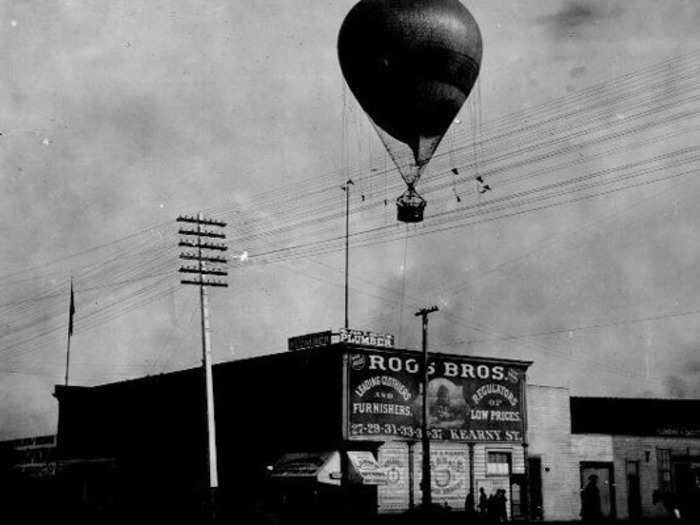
x=116 y=117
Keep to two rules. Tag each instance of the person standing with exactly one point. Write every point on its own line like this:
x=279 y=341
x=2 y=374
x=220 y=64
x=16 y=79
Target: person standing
x=492 y=508
x=590 y=501
x=483 y=502
x=500 y=504
x=469 y=503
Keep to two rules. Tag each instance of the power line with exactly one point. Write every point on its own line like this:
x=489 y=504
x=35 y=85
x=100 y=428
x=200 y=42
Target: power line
x=599 y=325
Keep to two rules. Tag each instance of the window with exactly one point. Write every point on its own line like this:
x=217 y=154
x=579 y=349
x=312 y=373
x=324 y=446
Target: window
x=663 y=462
x=498 y=464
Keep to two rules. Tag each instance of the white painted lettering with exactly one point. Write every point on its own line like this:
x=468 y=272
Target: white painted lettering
x=467 y=371
x=451 y=369
x=411 y=366
x=376 y=362
x=482 y=371
x=394 y=364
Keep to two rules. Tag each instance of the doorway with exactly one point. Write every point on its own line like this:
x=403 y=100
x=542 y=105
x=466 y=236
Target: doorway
x=634 y=493
x=605 y=484
x=534 y=470
x=686 y=481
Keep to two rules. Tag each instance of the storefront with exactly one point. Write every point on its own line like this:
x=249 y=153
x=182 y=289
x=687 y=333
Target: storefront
x=335 y=418
x=335 y=426
x=476 y=422
x=644 y=455
x=645 y=452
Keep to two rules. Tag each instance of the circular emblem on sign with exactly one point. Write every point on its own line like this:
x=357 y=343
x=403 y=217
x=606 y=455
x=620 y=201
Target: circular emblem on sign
x=442 y=477
x=393 y=476
x=357 y=361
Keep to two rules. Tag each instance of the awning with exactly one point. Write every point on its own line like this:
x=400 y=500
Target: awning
x=365 y=469
x=323 y=467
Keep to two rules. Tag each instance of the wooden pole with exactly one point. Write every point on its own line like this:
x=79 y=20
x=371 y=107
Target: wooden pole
x=346 y=187
x=206 y=363
x=426 y=481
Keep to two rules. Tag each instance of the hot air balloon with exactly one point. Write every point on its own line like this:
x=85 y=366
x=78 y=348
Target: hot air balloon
x=411 y=65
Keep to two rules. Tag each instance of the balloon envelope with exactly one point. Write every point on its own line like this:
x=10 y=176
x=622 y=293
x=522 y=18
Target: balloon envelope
x=411 y=64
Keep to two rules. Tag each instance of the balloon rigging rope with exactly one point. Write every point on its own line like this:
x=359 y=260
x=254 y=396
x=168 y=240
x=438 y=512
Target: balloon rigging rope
x=343 y=133
x=477 y=137
x=452 y=161
x=475 y=133
x=403 y=285
x=404 y=169
x=387 y=215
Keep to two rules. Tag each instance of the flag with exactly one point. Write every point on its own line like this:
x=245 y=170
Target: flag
x=71 y=310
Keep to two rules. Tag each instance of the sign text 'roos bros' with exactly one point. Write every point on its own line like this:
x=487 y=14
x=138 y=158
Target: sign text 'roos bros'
x=468 y=400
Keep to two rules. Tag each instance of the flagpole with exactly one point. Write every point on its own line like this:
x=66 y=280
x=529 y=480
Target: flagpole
x=71 y=311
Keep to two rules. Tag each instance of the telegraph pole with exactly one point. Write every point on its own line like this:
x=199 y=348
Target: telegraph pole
x=425 y=439
x=346 y=189
x=205 y=252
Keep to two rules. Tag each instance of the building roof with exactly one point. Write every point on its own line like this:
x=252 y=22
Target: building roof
x=286 y=357
x=638 y=417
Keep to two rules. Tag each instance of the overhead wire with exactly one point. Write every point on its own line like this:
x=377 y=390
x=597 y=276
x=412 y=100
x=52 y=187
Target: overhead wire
x=618 y=84
x=658 y=109
x=143 y=266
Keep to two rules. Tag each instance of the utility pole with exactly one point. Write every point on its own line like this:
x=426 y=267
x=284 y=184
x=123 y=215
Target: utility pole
x=205 y=252
x=425 y=439
x=346 y=189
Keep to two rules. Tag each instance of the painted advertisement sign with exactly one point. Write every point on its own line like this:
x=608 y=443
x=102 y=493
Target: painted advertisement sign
x=344 y=335
x=366 y=468
x=450 y=476
x=468 y=400
x=394 y=496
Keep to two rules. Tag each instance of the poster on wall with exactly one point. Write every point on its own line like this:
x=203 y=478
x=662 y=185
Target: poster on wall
x=394 y=497
x=449 y=479
x=469 y=400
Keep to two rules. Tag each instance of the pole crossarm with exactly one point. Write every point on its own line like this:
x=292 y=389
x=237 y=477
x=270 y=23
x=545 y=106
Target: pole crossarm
x=202 y=245
x=425 y=311
x=198 y=220
x=208 y=258
x=205 y=283
x=211 y=271
x=203 y=233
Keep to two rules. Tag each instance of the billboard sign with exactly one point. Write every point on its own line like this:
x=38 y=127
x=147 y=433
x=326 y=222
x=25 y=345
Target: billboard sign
x=360 y=337
x=469 y=400
x=306 y=341
x=344 y=335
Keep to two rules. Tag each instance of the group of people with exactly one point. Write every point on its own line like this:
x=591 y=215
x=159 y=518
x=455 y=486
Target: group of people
x=490 y=508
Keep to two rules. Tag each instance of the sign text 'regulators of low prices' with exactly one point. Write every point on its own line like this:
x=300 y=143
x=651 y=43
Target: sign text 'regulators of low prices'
x=467 y=400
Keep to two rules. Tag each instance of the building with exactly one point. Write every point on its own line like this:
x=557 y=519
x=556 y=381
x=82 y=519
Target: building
x=33 y=457
x=644 y=452
x=334 y=425
x=337 y=420
x=28 y=477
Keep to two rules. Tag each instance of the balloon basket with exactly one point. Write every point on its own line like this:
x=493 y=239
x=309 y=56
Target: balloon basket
x=409 y=207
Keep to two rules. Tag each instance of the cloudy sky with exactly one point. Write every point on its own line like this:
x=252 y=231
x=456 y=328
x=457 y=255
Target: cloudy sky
x=116 y=117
